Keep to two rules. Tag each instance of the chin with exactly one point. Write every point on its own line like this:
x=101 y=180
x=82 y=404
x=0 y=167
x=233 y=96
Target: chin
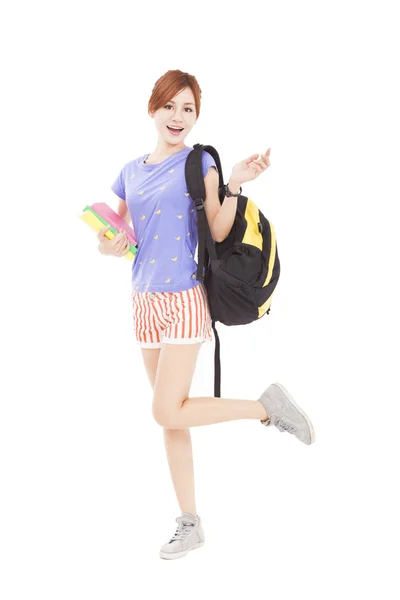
x=173 y=142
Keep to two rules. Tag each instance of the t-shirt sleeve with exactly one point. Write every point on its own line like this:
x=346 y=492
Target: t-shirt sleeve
x=118 y=187
x=207 y=162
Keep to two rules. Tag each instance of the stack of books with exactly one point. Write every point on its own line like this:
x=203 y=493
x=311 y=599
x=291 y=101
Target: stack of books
x=100 y=215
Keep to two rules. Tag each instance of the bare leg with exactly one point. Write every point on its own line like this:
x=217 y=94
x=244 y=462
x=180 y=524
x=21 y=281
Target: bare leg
x=210 y=410
x=173 y=408
x=178 y=446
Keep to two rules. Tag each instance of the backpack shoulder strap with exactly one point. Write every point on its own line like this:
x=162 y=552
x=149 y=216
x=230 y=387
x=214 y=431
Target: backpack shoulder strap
x=195 y=185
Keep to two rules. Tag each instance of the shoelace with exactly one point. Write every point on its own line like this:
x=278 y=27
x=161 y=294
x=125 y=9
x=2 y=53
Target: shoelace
x=182 y=531
x=285 y=425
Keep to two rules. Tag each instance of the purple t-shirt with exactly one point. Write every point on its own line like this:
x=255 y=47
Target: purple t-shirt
x=164 y=218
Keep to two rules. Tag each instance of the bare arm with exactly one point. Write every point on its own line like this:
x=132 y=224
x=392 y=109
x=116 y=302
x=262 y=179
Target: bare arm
x=220 y=217
x=123 y=210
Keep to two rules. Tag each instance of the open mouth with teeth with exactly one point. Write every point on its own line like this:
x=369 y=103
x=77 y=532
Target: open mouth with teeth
x=174 y=131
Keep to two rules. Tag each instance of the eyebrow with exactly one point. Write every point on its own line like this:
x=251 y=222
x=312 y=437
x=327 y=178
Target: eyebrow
x=185 y=102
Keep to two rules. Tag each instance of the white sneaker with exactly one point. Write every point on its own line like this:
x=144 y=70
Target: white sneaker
x=285 y=414
x=188 y=536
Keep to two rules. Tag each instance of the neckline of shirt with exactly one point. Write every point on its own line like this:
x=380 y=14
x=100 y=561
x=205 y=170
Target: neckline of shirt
x=148 y=167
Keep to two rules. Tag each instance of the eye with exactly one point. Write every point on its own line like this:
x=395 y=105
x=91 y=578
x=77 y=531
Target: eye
x=170 y=106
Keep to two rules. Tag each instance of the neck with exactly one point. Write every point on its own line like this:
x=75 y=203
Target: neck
x=163 y=150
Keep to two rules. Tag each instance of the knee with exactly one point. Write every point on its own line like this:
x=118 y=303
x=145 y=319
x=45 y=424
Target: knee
x=164 y=418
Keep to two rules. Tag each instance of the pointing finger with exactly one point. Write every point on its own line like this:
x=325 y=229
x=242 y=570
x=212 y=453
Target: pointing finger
x=251 y=158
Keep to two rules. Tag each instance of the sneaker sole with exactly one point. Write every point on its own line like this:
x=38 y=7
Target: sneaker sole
x=301 y=411
x=179 y=554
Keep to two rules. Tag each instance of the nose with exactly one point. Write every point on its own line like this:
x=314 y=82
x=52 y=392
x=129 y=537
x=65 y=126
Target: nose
x=177 y=118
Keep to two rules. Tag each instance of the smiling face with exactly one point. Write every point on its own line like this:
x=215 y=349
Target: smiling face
x=180 y=112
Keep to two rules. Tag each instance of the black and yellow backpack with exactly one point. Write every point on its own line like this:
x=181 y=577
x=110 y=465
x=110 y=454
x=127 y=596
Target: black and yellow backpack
x=241 y=272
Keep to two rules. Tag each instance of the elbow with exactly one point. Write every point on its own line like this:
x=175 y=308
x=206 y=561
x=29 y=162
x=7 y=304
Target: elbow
x=219 y=237
x=216 y=238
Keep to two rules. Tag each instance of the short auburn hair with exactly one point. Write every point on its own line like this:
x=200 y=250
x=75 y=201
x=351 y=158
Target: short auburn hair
x=170 y=84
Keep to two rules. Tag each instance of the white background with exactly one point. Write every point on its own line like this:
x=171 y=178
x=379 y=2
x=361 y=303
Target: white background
x=87 y=499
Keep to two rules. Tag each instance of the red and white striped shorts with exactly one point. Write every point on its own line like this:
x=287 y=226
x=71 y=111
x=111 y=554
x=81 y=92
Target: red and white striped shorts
x=172 y=317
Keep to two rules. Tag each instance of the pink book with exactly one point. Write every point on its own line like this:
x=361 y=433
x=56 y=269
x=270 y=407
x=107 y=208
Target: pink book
x=109 y=215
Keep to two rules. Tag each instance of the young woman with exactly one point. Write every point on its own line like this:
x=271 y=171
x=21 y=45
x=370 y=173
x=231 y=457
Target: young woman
x=170 y=309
